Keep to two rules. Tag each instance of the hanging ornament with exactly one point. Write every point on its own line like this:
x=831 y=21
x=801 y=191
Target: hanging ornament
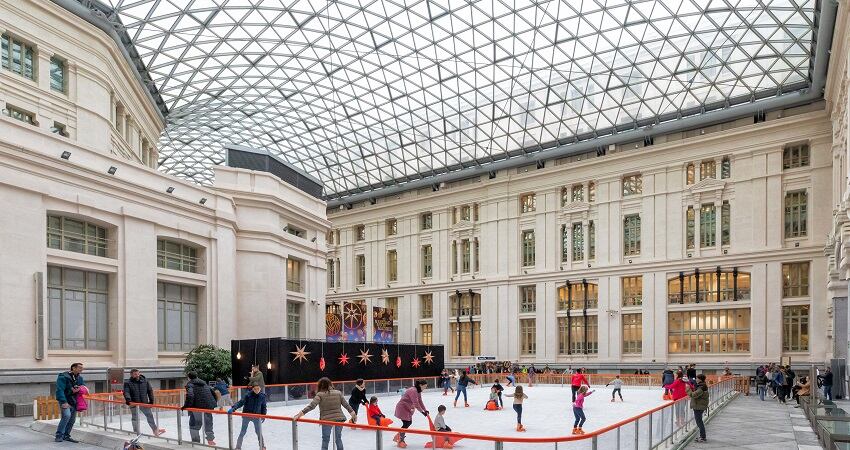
x=322 y=358
x=415 y=362
x=343 y=359
x=385 y=356
x=398 y=361
x=300 y=354
x=365 y=356
x=398 y=358
x=429 y=357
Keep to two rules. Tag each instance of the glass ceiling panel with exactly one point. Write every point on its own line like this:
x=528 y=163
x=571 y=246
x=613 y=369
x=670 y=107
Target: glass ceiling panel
x=364 y=94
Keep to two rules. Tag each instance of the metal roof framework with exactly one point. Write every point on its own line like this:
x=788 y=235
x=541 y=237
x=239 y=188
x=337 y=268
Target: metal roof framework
x=376 y=96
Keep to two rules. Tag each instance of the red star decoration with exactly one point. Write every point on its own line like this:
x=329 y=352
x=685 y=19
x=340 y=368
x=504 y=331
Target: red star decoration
x=415 y=362
x=322 y=363
x=343 y=358
x=398 y=361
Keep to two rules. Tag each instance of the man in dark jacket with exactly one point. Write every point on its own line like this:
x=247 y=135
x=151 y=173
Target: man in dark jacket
x=254 y=402
x=67 y=385
x=699 y=403
x=199 y=395
x=666 y=378
x=826 y=382
x=138 y=390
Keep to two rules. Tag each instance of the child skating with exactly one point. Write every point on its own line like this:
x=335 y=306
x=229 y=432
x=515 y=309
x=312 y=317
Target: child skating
x=578 y=409
x=618 y=388
x=518 y=398
x=440 y=425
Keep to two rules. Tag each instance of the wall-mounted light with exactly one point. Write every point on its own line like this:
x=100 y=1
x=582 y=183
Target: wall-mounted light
x=373 y=200
x=112 y=170
x=630 y=261
x=202 y=201
x=66 y=155
x=170 y=189
x=314 y=239
x=725 y=251
x=492 y=175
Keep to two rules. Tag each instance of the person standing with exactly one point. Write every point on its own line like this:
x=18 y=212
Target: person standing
x=618 y=388
x=67 y=386
x=358 y=396
x=692 y=373
x=578 y=379
x=519 y=397
x=761 y=385
x=138 y=390
x=330 y=402
x=667 y=377
x=199 y=395
x=532 y=376
x=253 y=402
x=411 y=401
x=826 y=382
x=789 y=381
x=699 y=403
x=779 y=382
x=257 y=377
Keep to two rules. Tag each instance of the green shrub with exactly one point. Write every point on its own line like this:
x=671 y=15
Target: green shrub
x=209 y=362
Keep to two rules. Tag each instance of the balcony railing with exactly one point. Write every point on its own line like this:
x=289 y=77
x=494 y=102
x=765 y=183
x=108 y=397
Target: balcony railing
x=724 y=295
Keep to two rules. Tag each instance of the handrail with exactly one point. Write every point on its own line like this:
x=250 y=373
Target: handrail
x=588 y=435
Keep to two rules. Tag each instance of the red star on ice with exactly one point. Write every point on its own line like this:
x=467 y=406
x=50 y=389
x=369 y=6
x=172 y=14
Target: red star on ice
x=429 y=357
x=343 y=359
x=415 y=362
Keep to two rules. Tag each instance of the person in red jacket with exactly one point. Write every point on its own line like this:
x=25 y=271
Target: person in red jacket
x=678 y=388
x=374 y=412
x=578 y=380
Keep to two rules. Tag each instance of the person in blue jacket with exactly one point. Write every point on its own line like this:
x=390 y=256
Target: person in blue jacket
x=67 y=385
x=254 y=402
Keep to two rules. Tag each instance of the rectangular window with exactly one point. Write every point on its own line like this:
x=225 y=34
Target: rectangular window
x=392 y=265
x=527 y=203
x=631 y=235
x=632 y=291
x=427 y=334
x=578 y=193
x=565 y=243
x=454 y=257
x=707 y=169
x=17 y=57
x=57 y=74
x=591 y=191
x=476 y=250
x=77 y=308
x=795 y=279
x=19 y=114
x=725 y=168
x=329 y=238
x=528 y=256
x=475 y=212
x=578 y=242
x=707 y=225
x=360 y=232
x=632 y=333
x=591 y=241
x=295 y=231
x=360 y=269
x=293 y=320
x=690 y=174
x=177 y=317
x=795 y=156
x=331 y=273
x=468 y=305
x=690 y=228
x=293 y=275
x=454 y=215
x=565 y=196
x=427 y=262
x=528 y=334
x=468 y=341
x=425 y=221
x=465 y=255
x=796 y=214
x=708 y=287
x=632 y=185
x=725 y=223
x=709 y=331
x=391 y=303
x=77 y=236
x=392 y=227
x=465 y=213
x=426 y=306
x=527 y=299
x=795 y=328
x=176 y=256
x=583 y=335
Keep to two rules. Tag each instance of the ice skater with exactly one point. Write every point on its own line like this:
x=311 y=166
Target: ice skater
x=499 y=390
x=462 y=383
x=577 y=381
x=358 y=396
x=578 y=409
x=511 y=380
x=410 y=401
x=618 y=387
x=440 y=425
x=518 y=398
x=446 y=382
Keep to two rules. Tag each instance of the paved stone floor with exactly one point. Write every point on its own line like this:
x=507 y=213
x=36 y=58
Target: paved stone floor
x=748 y=423
x=15 y=434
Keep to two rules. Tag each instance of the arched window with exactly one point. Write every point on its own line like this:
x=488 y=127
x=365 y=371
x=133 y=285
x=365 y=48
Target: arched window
x=709 y=287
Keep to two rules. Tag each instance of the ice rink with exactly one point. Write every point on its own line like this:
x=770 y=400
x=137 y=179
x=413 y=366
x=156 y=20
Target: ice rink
x=546 y=413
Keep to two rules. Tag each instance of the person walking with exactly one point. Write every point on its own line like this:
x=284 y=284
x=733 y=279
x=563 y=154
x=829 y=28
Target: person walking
x=67 y=386
x=826 y=382
x=411 y=401
x=330 y=402
x=138 y=390
x=761 y=385
x=699 y=403
x=577 y=380
x=199 y=395
x=253 y=402
x=779 y=383
x=257 y=377
x=462 y=383
x=358 y=396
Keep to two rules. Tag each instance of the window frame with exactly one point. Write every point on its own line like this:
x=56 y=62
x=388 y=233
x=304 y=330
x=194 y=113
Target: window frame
x=163 y=302
x=527 y=246
x=632 y=185
x=89 y=296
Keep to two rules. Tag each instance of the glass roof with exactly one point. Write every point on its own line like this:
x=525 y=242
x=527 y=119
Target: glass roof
x=365 y=94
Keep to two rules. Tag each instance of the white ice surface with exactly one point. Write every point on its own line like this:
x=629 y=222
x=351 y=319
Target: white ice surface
x=546 y=413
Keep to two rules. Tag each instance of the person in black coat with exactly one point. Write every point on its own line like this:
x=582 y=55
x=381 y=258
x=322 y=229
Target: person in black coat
x=138 y=390
x=254 y=402
x=358 y=396
x=199 y=395
x=826 y=382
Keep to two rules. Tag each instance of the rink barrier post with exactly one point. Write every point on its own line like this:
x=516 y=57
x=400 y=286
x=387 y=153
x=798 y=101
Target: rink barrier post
x=618 y=437
x=179 y=428
x=230 y=431
x=379 y=442
x=637 y=434
x=650 y=432
x=120 y=418
x=594 y=444
x=294 y=435
x=499 y=445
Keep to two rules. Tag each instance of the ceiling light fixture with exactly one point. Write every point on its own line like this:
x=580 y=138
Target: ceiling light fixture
x=66 y=155
x=112 y=170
